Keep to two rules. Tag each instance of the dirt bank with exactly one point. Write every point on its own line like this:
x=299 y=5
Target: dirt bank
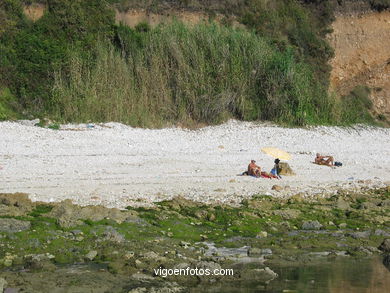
x=362 y=56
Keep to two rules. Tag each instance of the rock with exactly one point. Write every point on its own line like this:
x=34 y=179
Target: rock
x=11 y=290
x=385 y=203
x=386 y=261
x=110 y=234
x=287 y=214
x=266 y=251
x=70 y=215
x=285 y=169
x=320 y=253
x=3 y=284
x=13 y=225
x=16 y=204
x=253 y=251
x=129 y=255
x=342 y=204
x=379 y=232
x=29 y=122
x=142 y=277
x=360 y=235
x=343 y=225
x=137 y=220
x=208 y=265
x=277 y=187
x=151 y=255
x=368 y=206
x=185 y=244
x=385 y=246
x=311 y=225
x=260 y=275
x=91 y=255
x=262 y=234
x=139 y=290
x=39 y=262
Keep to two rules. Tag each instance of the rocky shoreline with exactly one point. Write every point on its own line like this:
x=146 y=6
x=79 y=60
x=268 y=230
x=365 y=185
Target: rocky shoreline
x=71 y=245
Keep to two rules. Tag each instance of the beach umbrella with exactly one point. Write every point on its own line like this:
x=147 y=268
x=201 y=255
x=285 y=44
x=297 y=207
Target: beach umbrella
x=277 y=153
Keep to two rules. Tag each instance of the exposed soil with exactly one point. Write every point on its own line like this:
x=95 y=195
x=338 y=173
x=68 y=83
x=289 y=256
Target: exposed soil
x=34 y=11
x=362 y=56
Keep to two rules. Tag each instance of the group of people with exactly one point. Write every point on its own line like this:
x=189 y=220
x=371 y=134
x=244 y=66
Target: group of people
x=255 y=170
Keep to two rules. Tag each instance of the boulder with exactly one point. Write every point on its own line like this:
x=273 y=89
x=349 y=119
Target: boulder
x=260 y=275
x=342 y=204
x=277 y=187
x=360 y=235
x=311 y=225
x=287 y=214
x=386 y=261
x=13 y=225
x=110 y=234
x=3 y=284
x=91 y=255
x=385 y=246
x=285 y=169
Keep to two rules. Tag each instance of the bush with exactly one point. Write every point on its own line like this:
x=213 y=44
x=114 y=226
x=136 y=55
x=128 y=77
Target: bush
x=356 y=106
x=175 y=73
x=380 y=5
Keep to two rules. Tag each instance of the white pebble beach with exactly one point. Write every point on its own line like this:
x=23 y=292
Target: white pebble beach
x=116 y=165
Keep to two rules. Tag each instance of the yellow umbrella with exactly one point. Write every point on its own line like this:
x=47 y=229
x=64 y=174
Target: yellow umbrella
x=277 y=153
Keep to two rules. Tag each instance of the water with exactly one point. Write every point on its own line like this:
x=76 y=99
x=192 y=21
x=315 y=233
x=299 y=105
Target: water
x=326 y=275
x=333 y=276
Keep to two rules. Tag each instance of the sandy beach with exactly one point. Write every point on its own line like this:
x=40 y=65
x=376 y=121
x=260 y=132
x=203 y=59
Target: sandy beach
x=116 y=165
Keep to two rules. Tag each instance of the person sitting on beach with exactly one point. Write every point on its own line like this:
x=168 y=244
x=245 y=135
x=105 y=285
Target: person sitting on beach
x=253 y=169
x=324 y=160
x=275 y=169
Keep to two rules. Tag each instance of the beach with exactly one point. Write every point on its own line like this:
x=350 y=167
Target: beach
x=117 y=166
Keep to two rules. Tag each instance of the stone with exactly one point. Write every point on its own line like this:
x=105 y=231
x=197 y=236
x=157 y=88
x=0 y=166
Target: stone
x=110 y=234
x=277 y=188
x=287 y=214
x=379 y=232
x=11 y=290
x=151 y=255
x=342 y=204
x=260 y=275
x=360 y=235
x=343 y=225
x=386 y=261
x=311 y=225
x=129 y=255
x=3 y=284
x=385 y=246
x=208 y=265
x=185 y=244
x=254 y=251
x=285 y=169
x=13 y=225
x=262 y=234
x=91 y=255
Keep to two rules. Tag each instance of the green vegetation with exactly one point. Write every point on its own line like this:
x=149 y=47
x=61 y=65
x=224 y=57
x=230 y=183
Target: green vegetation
x=261 y=221
x=76 y=64
x=359 y=104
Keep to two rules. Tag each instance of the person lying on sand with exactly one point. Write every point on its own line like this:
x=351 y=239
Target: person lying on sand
x=324 y=160
x=253 y=169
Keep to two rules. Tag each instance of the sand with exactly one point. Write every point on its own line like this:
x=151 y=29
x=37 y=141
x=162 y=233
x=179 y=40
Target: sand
x=117 y=165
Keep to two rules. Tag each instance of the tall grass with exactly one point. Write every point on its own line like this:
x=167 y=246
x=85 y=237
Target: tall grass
x=180 y=74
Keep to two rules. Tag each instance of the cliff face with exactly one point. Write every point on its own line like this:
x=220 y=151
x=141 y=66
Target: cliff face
x=362 y=56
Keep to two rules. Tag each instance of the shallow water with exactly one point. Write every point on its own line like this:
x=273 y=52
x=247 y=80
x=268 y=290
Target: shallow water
x=341 y=275
x=333 y=276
